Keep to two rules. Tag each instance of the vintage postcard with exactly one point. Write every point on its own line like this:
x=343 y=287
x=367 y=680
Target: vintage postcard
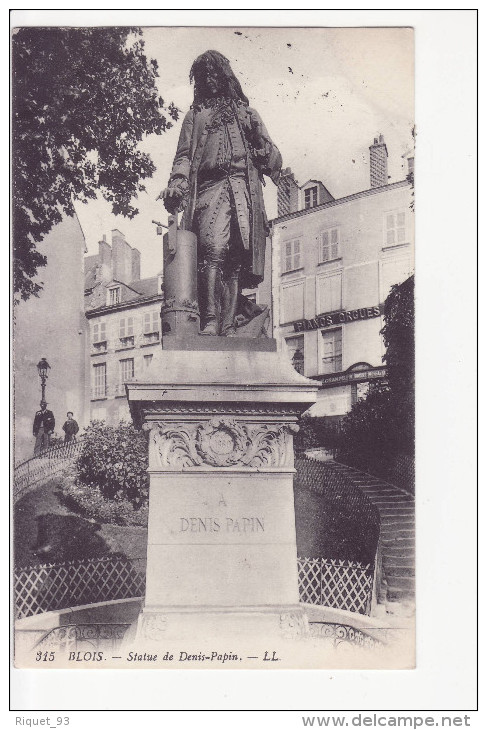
x=213 y=258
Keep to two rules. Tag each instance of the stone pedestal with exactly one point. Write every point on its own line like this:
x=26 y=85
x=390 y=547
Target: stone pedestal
x=221 y=557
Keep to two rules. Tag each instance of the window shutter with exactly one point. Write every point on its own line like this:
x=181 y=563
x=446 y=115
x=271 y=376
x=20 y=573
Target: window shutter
x=395 y=228
x=325 y=246
x=292 y=302
x=330 y=293
x=122 y=328
x=147 y=322
x=297 y=254
x=95 y=333
x=130 y=326
x=292 y=255
x=334 y=243
x=288 y=259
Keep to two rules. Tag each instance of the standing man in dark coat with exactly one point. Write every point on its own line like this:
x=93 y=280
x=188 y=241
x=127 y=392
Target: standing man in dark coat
x=224 y=151
x=43 y=428
x=70 y=428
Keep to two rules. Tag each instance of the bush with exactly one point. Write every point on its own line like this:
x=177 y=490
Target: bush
x=317 y=431
x=369 y=433
x=113 y=461
x=90 y=502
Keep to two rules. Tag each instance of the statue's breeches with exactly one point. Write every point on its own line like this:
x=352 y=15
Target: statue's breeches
x=221 y=223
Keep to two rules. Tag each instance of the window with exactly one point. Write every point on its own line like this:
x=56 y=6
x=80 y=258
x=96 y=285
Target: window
x=99 y=332
x=114 y=295
x=126 y=332
x=359 y=392
x=292 y=255
x=329 y=249
x=151 y=326
x=292 y=301
x=100 y=380
x=395 y=228
x=126 y=370
x=311 y=197
x=295 y=348
x=126 y=327
x=329 y=293
x=331 y=351
x=147 y=361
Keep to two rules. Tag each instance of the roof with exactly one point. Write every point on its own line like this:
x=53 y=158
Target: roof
x=311 y=181
x=339 y=201
x=146 y=287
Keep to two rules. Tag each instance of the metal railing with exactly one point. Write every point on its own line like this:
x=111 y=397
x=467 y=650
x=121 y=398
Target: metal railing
x=36 y=470
x=323 y=478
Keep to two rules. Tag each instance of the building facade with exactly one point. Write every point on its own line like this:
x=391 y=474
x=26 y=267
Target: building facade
x=53 y=326
x=123 y=315
x=333 y=265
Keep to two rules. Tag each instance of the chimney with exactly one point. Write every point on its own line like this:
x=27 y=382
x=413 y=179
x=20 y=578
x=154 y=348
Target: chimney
x=135 y=264
x=122 y=257
x=104 y=267
x=378 y=163
x=287 y=193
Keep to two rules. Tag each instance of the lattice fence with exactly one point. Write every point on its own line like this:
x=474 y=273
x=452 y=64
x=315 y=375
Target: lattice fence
x=52 y=587
x=50 y=462
x=336 y=583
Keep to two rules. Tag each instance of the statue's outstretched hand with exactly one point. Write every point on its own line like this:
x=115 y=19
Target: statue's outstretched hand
x=172 y=197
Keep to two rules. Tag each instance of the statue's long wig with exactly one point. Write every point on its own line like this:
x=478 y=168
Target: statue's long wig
x=215 y=62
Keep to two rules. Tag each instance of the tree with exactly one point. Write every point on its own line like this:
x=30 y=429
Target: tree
x=83 y=99
x=398 y=334
x=382 y=425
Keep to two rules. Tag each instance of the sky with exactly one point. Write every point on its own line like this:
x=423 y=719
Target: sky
x=323 y=94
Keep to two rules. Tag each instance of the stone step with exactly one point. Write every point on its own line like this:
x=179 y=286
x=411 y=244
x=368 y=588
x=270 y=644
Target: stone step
x=405 y=556
x=389 y=499
x=393 y=571
x=397 y=534
x=399 y=542
x=375 y=488
x=396 y=511
x=395 y=595
x=397 y=581
x=397 y=561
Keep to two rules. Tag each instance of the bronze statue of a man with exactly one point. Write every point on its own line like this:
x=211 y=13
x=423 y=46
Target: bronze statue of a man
x=223 y=153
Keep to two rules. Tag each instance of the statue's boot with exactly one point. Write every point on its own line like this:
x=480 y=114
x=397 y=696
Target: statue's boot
x=229 y=307
x=211 y=282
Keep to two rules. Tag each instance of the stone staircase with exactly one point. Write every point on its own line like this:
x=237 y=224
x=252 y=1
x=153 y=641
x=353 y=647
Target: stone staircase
x=397 y=534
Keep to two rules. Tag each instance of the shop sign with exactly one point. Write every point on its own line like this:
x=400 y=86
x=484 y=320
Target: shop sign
x=353 y=377
x=342 y=317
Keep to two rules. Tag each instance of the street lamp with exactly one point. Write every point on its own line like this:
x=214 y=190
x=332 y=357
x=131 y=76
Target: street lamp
x=42 y=368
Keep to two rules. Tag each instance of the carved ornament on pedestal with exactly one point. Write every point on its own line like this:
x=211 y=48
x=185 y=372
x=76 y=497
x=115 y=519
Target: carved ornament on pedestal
x=222 y=442
x=154 y=626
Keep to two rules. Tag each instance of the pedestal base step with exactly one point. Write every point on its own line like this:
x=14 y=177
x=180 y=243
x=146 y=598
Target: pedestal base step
x=156 y=625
